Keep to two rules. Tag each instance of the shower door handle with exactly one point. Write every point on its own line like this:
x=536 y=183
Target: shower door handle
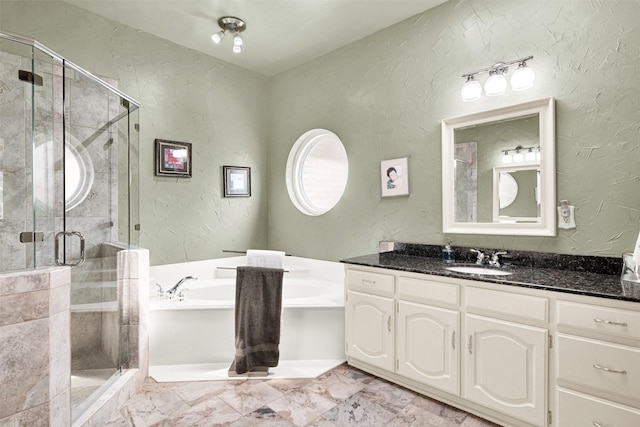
x=80 y=260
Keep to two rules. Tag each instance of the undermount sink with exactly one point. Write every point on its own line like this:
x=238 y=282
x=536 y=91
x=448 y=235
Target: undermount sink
x=470 y=269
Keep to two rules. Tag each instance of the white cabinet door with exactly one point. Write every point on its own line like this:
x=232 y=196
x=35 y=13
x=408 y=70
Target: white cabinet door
x=369 y=329
x=506 y=367
x=427 y=345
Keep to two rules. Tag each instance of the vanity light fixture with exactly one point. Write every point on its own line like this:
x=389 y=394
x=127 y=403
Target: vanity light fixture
x=233 y=25
x=496 y=84
x=521 y=155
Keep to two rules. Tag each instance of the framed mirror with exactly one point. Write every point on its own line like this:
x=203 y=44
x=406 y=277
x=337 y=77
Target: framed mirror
x=510 y=147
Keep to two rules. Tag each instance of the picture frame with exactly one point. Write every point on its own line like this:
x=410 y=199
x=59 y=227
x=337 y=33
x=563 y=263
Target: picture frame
x=237 y=181
x=172 y=158
x=394 y=177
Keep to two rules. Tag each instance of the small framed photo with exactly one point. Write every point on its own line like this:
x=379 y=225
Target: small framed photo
x=394 y=177
x=237 y=181
x=173 y=158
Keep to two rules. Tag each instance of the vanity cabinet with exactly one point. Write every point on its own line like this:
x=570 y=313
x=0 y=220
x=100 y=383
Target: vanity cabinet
x=516 y=356
x=369 y=317
x=369 y=325
x=598 y=365
x=506 y=367
x=506 y=353
x=428 y=332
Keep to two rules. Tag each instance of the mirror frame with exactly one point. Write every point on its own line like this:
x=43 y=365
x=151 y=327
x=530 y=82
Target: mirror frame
x=545 y=109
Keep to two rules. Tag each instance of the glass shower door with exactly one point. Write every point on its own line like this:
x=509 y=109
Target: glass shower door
x=89 y=239
x=27 y=177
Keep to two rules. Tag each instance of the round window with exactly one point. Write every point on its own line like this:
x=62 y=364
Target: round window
x=317 y=172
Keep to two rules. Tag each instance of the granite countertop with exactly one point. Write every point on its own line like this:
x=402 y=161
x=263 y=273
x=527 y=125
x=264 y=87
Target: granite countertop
x=597 y=284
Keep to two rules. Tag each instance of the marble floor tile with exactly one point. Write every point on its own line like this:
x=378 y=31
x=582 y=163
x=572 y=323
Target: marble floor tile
x=344 y=396
x=301 y=406
x=249 y=396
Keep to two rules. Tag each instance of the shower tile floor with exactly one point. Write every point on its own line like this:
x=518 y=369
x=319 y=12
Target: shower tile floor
x=344 y=396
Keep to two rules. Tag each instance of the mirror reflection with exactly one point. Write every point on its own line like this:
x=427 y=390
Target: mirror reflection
x=516 y=195
x=499 y=171
x=481 y=148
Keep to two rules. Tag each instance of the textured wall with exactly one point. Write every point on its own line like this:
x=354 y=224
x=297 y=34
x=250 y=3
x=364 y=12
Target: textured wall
x=385 y=95
x=185 y=96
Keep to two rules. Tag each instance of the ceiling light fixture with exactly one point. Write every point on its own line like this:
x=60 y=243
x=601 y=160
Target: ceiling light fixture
x=496 y=84
x=233 y=25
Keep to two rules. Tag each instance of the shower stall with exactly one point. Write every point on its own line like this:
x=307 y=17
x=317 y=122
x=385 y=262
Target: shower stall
x=69 y=196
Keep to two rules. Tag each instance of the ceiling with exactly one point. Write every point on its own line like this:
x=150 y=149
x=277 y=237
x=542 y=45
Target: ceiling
x=280 y=34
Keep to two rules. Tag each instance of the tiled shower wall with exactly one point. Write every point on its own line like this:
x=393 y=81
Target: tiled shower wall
x=35 y=355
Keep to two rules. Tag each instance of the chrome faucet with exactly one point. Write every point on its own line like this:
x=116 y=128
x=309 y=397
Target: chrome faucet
x=495 y=258
x=481 y=256
x=171 y=293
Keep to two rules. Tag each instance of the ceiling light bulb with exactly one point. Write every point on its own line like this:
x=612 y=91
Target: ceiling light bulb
x=237 y=48
x=496 y=84
x=237 y=40
x=217 y=37
x=523 y=77
x=471 y=90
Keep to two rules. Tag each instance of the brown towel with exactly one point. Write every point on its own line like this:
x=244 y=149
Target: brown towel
x=257 y=318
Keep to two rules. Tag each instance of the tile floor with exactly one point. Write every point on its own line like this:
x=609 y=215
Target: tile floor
x=344 y=396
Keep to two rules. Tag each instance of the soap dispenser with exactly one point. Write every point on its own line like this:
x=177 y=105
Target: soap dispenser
x=448 y=254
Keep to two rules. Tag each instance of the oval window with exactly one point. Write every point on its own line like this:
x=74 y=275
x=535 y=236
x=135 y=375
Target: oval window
x=317 y=172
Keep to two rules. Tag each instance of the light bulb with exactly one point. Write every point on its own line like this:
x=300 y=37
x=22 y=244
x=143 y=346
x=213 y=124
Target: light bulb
x=471 y=90
x=522 y=78
x=507 y=157
x=237 y=48
x=496 y=84
x=237 y=40
x=518 y=157
x=530 y=156
x=217 y=37
x=538 y=154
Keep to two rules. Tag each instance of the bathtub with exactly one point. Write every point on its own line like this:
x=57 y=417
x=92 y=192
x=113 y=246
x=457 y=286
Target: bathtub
x=193 y=339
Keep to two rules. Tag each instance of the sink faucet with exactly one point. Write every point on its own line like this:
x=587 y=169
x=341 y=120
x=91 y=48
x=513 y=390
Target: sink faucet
x=481 y=256
x=174 y=290
x=495 y=258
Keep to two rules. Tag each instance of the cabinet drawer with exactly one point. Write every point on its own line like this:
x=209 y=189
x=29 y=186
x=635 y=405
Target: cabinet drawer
x=576 y=409
x=428 y=290
x=523 y=306
x=367 y=281
x=611 y=368
x=611 y=321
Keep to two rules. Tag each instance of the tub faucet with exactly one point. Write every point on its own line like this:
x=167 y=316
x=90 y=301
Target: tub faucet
x=174 y=290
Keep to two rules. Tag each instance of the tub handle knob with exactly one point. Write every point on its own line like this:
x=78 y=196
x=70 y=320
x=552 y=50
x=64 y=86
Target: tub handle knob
x=181 y=294
x=160 y=292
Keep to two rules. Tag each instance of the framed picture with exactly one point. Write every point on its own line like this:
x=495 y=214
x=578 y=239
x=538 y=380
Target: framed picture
x=173 y=158
x=237 y=181
x=394 y=177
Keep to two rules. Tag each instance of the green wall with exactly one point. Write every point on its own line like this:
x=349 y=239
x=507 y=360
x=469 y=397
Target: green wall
x=186 y=96
x=384 y=96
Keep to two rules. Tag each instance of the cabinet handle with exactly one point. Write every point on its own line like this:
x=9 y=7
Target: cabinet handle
x=613 y=371
x=610 y=322
x=389 y=323
x=596 y=424
x=453 y=339
x=368 y=282
x=470 y=344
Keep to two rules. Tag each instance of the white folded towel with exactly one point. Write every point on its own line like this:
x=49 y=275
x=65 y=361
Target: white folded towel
x=636 y=255
x=266 y=259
